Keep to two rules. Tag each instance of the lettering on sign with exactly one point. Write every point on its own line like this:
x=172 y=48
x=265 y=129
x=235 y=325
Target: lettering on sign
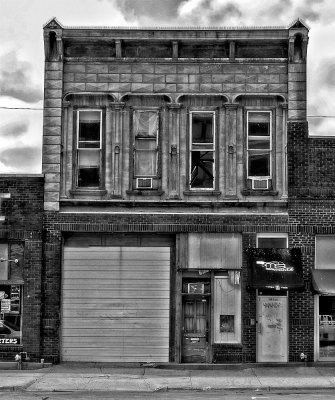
x=276 y=266
x=9 y=341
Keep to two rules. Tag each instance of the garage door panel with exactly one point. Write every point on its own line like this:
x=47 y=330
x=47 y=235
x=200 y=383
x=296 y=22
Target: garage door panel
x=108 y=284
x=115 y=313
x=107 y=294
x=116 y=304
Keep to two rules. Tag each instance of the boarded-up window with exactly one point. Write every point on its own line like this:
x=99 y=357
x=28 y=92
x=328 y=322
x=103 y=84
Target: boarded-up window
x=145 y=143
x=227 y=310
x=214 y=251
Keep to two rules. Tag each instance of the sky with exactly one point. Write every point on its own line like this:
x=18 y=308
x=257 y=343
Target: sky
x=22 y=54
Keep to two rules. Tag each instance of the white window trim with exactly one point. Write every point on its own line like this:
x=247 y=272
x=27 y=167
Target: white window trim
x=78 y=149
x=317 y=250
x=213 y=113
x=259 y=151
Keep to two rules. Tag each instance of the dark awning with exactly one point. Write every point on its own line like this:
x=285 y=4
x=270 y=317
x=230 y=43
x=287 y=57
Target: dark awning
x=275 y=268
x=323 y=281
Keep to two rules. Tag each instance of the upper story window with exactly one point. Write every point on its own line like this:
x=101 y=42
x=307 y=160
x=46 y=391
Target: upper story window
x=202 y=150
x=259 y=148
x=146 y=131
x=89 y=148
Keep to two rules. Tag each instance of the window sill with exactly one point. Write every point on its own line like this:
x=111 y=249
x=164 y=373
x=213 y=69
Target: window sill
x=202 y=192
x=145 y=192
x=88 y=192
x=250 y=192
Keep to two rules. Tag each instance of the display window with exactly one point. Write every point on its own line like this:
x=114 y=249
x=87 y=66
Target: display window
x=10 y=315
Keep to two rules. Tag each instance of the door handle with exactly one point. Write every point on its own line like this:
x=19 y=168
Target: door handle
x=259 y=327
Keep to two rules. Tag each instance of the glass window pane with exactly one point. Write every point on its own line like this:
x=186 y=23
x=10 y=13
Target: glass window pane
x=89 y=126
x=202 y=169
x=202 y=128
x=259 y=129
x=258 y=144
x=259 y=165
x=145 y=162
x=88 y=176
x=89 y=158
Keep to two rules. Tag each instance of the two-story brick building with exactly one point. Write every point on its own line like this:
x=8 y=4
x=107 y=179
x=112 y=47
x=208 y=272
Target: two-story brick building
x=167 y=231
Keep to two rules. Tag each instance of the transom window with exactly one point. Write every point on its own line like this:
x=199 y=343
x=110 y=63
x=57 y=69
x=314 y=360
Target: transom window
x=202 y=150
x=272 y=240
x=88 y=148
x=259 y=144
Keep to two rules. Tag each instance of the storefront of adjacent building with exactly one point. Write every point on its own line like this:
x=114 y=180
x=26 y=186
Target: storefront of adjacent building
x=21 y=219
x=167 y=231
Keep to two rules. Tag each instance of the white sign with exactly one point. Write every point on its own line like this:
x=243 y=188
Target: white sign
x=5 y=305
x=275 y=266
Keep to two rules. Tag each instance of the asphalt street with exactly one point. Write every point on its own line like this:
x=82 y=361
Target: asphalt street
x=170 y=395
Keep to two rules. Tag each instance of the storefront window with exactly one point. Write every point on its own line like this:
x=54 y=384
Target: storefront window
x=327 y=326
x=10 y=314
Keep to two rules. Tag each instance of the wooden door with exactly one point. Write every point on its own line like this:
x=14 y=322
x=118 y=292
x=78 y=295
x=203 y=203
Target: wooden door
x=272 y=329
x=195 y=340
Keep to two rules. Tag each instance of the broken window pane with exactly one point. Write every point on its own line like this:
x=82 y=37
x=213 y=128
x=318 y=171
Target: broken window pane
x=202 y=169
x=202 y=150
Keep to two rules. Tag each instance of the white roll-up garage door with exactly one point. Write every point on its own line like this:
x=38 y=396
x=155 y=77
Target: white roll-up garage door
x=115 y=304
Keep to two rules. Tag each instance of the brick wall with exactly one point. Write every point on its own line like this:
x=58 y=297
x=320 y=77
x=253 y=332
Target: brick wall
x=22 y=230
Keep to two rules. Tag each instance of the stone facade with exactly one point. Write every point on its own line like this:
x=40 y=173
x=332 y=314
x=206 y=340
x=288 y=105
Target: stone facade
x=98 y=186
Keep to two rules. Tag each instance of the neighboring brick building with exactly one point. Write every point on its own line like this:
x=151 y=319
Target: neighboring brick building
x=167 y=231
x=21 y=225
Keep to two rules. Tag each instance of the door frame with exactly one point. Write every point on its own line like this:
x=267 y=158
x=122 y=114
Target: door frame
x=317 y=330
x=269 y=294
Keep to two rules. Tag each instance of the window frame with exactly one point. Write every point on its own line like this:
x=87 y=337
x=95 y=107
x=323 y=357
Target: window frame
x=318 y=251
x=98 y=149
x=202 y=149
x=157 y=139
x=260 y=138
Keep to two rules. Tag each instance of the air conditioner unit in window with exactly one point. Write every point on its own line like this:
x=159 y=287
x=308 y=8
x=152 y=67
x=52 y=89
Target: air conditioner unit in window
x=195 y=288
x=260 y=184
x=143 y=183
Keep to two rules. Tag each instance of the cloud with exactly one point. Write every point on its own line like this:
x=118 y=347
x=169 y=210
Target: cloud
x=14 y=129
x=157 y=12
x=21 y=158
x=15 y=80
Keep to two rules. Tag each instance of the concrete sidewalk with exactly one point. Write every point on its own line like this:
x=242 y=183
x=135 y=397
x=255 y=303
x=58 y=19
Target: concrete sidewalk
x=95 y=377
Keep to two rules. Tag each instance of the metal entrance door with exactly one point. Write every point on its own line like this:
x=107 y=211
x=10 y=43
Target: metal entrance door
x=272 y=329
x=195 y=340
